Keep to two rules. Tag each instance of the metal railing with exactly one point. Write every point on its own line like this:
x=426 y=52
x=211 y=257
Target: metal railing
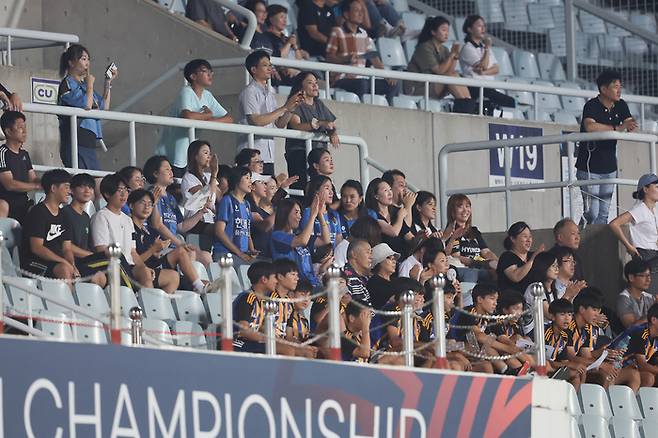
x=240 y=10
x=570 y=139
x=17 y=39
x=192 y=125
x=372 y=74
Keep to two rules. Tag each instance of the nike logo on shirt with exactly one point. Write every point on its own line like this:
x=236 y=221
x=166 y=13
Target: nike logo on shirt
x=54 y=232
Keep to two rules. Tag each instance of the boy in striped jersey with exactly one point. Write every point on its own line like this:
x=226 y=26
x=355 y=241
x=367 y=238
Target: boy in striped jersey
x=643 y=346
x=298 y=328
x=287 y=277
x=556 y=340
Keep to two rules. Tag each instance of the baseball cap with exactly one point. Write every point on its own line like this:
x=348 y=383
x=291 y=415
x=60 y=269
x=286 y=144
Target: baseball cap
x=645 y=180
x=381 y=252
x=259 y=177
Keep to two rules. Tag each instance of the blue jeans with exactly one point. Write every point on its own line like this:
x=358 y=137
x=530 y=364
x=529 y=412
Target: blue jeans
x=596 y=199
x=385 y=11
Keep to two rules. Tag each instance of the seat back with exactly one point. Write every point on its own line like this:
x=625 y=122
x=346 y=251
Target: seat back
x=649 y=401
x=540 y=16
x=376 y=99
x=19 y=297
x=565 y=118
x=89 y=332
x=158 y=330
x=594 y=400
x=189 y=307
x=156 y=304
x=127 y=297
x=591 y=24
x=625 y=427
x=516 y=14
x=525 y=64
x=505 y=68
x=236 y=284
x=55 y=326
x=550 y=67
x=189 y=334
x=595 y=427
x=346 y=96
x=61 y=292
x=491 y=10
x=623 y=401
x=91 y=297
x=404 y=102
x=391 y=52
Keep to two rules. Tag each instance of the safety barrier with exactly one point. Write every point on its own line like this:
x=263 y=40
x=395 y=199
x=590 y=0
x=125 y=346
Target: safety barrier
x=508 y=187
x=16 y=39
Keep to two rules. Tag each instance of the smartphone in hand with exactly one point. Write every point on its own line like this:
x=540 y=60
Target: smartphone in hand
x=109 y=73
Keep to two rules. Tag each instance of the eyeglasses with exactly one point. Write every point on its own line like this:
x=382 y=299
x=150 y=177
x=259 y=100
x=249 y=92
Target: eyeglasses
x=146 y=204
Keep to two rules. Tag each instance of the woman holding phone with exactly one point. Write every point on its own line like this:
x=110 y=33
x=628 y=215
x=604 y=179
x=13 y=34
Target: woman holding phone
x=310 y=115
x=77 y=90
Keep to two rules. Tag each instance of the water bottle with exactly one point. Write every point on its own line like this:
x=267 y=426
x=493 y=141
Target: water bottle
x=622 y=346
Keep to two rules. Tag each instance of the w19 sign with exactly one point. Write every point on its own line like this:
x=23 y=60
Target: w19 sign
x=527 y=162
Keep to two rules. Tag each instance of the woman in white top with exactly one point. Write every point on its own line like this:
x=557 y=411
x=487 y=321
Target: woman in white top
x=642 y=223
x=478 y=61
x=202 y=169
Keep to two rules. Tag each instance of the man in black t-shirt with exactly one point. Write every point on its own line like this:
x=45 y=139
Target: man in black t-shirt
x=17 y=177
x=46 y=248
x=316 y=20
x=598 y=159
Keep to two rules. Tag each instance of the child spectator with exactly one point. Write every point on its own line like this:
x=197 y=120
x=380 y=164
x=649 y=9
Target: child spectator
x=233 y=219
x=515 y=263
x=544 y=271
x=286 y=244
x=262 y=214
x=110 y=225
x=287 y=278
x=582 y=334
x=210 y=14
x=201 y=175
x=320 y=309
x=351 y=205
x=379 y=201
x=321 y=187
x=641 y=220
x=642 y=347
x=249 y=309
x=166 y=218
x=564 y=285
x=556 y=340
x=384 y=261
x=465 y=242
x=567 y=234
x=510 y=331
x=315 y=21
x=194 y=102
x=298 y=329
x=634 y=302
x=485 y=300
x=77 y=90
x=355 y=342
x=357 y=270
x=17 y=177
x=46 y=248
x=258 y=107
x=77 y=219
x=152 y=249
x=313 y=116
x=412 y=266
x=351 y=45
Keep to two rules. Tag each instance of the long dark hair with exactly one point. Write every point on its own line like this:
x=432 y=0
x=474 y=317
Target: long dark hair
x=470 y=21
x=422 y=198
x=298 y=82
x=352 y=184
x=73 y=53
x=283 y=209
x=192 y=165
x=312 y=188
x=540 y=267
x=314 y=158
x=516 y=229
x=431 y=25
x=371 y=193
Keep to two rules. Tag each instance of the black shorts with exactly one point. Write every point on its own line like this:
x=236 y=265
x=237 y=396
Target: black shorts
x=43 y=268
x=248 y=346
x=100 y=262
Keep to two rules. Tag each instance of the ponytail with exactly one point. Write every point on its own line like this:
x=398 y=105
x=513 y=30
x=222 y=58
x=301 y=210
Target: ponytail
x=73 y=53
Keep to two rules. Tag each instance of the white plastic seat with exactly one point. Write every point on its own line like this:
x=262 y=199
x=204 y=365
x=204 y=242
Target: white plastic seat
x=179 y=5
x=391 y=52
x=573 y=103
x=12 y=232
x=59 y=291
x=564 y=118
x=649 y=428
x=635 y=46
x=19 y=297
x=649 y=401
x=591 y=24
x=525 y=64
x=547 y=101
x=624 y=427
x=467 y=298
x=201 y=271
x=611 y=45
x=435 y=106
x=491 y=10
x=189 y=307
x=573 y=405
x=55 y=327
x=595 y=400
x=550 y=67
x=236 y=284
x=575 y=429
x=126 y=336
x=400 y=5
x=414 y=22
x=540 y=16
x=513 y=114
x=522 y=97
x=244 y=278
x=346 y=96
x=404 y=102
x=516 y=14
x=624 y=403
x=505 y=68
x=542 y=115
x=89 y=332
x=645 y=21
x=595 y=426
x=156 y=304
x=189 y=334
x=283 y=90
x=212 y=301
x=376 y=99
x=410 y=47
x=558 y=42
x=156 y=329
x=127 y=297
x=650 y=126
x=91 y=297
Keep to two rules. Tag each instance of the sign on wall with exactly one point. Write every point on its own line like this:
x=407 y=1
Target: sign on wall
x=111 y=391
x=527 y=161
x=44 y=91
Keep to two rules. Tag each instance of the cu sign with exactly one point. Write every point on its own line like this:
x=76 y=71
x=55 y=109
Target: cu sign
x=44 y=91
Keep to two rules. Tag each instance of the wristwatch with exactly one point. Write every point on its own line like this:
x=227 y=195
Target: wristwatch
x=315 y=124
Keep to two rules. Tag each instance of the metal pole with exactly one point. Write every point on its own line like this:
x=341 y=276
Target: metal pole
x=570 y=29
x=132 y=137
x=538 y=310
x=536 y=109
x=192 y=133
x=226 y=296
x=652 y=156
x=115 y=294
x=9 y=50
x=572 y=179
x=136 y=315
x=326 y=84
x=427 y=96
x=481 y=102
x=641 y=115
x=407 y=300
x=438 y=282
x=2 y=286
x=309 y=146
x=372 y=90
x=251 y=139
x=74 y=141
x=334 y=313
x=270 y=319
x=508 y=192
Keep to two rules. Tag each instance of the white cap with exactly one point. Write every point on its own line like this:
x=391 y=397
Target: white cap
x=259 y=177
x=381 y=252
